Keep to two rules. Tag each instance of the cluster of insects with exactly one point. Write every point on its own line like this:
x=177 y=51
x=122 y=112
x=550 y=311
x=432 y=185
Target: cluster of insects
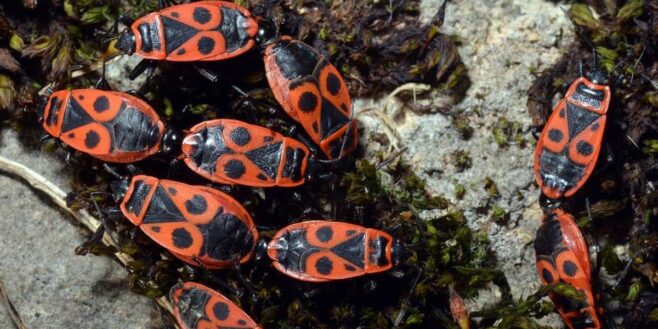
x=565 y=157
x=201 y=225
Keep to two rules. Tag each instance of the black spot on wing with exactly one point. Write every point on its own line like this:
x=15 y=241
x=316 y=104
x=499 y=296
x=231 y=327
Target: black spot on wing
x=570 y=268
x=206 y=45
x=92 y=139
x=201 y=15
x=555 y=135
x=324 y=233
x=197 y=205
x=333 y=84
x=234 y=169
x=546 y=274
x=181 y=238
x=584 y=148
x=307 y=102
x=221 y=311
x=324 y=265
x=240 y=136
x=101 y=104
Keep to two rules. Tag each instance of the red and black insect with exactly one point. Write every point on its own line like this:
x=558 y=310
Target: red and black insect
x=108 y=125
x=198 y=224
x=310 y=90
x=318 y=251
x=563 y=257
x=570 y=143
x=199 y=31
x=199 y=307
x=233 y=152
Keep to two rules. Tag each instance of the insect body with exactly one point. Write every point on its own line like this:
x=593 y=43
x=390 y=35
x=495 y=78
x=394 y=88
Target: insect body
x=563 y=257
x=319 y=251
x=199 y=31
x=313 y=93
x=109 y=125
x=570 y=143
x=234 y=152
x=196 y=223
x=199 y=307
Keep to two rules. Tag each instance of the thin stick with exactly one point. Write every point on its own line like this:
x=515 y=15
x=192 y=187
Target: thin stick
x=56 y=194
x=13 y=312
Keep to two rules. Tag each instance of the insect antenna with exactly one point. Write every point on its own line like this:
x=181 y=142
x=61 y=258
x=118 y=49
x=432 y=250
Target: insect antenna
x=407 y=300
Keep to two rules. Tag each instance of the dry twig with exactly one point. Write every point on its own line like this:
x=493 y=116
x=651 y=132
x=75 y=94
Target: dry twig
x=13 y=312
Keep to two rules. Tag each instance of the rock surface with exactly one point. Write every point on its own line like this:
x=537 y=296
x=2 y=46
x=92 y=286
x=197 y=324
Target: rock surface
x=49 y=285
x=501 y=42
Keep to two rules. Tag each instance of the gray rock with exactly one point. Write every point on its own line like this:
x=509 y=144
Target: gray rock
x=50 y=286
x=501 y=42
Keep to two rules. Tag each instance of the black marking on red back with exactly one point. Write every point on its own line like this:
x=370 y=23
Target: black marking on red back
x=378 y=251
x=579 y=118
x=549 y=239
x=267 y=158
x=226 y=237
x=210 y=147
x=136 y=201
x=231 y=28
x=53 y=112
x=150 y=35
x=351 y=250
x=75 y=116
x=162 y=209
x=130 y=129
x=192 y=305
x=294 y=59
x=176 y=33
x=588 y=96
x=549 y=242
x=298 y=249
x=293 y=166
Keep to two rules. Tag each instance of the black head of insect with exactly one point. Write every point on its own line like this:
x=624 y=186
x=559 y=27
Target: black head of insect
x=172 y=140
x=268 y=32
x=260 y=250
x=126 y=42
x=598 y=76
x=547 y=204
